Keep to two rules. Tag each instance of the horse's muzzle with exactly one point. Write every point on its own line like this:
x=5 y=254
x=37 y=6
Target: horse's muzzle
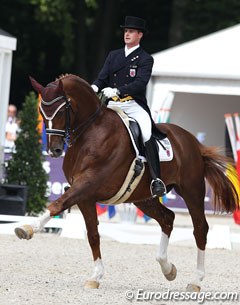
x=55 y=151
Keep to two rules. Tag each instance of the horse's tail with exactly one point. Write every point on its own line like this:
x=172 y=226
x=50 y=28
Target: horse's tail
x=216 y=167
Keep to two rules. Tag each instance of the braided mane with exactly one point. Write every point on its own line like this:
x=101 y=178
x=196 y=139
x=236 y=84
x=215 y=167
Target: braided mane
x=62 y=76
x=67 y=75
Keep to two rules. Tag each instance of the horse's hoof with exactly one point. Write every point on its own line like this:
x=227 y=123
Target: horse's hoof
x=193 y=288
x=91 y=284
x=24 y=232
x=172 y=275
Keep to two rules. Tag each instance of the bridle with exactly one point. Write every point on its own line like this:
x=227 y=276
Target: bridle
x=67 y=132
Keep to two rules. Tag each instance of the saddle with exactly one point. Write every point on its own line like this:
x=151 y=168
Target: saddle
x=162 y=142
x=137 y=168
x=137 y=136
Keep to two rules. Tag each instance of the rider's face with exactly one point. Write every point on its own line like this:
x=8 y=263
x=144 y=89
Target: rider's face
x=132 y=37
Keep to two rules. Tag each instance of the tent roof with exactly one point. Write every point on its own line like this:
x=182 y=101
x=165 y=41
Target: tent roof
x=7 y=41
x=212 y=56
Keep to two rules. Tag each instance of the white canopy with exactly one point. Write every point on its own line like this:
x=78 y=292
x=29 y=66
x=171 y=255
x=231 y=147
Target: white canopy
x=205 y=65
x=7 y=46
x=200 y=82
x=212 y=56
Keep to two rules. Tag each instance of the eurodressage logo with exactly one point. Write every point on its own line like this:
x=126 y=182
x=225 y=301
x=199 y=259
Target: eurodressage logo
x=199 y=297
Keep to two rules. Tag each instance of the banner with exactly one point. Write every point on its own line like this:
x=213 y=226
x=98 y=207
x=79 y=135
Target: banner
x=233 y=127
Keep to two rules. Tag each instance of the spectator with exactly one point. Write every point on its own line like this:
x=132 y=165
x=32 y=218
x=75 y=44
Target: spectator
x=11 y=128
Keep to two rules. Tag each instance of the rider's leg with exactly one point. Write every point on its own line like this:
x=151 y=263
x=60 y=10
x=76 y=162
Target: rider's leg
x=134 y=110
x=157 y=187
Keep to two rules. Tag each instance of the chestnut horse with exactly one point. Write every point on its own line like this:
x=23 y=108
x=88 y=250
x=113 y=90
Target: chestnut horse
x=97 y=161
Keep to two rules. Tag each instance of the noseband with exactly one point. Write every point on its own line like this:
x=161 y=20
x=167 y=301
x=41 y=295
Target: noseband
x=67 y=132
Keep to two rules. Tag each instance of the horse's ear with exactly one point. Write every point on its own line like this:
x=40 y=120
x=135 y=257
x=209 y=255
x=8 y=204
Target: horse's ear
x=36 y=86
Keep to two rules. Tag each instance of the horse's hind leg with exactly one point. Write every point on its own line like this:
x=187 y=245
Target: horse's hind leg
x=90 y=216
x=165 y=217
x=193 y=195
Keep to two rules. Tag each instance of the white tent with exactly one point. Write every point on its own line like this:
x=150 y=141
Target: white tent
x=7 y=46
x=203 y=77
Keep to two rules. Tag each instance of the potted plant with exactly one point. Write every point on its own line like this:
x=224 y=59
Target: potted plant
x=25 y=178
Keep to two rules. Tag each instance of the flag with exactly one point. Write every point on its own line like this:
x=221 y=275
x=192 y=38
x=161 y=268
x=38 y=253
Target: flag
x=237 y=123
x=228 y=146
x=231 y=132
x=101 y=208
x=139 y=213
x=44 y=137
x=161 y=111
x=233 y=177
x=163 y=200
x=238 y=159
x=236 y=214
x=111 y=211
x=41 y=128
x=146 y=218
x=40 y=120
x=236 y=217
x=142 y=215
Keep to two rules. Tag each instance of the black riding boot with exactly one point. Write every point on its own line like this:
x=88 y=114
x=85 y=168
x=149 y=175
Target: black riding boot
x=157 y=187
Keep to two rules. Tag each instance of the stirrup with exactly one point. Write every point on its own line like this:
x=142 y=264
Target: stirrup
x=161 y=188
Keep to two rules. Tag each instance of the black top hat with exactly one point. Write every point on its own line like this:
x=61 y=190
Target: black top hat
x=134 y=23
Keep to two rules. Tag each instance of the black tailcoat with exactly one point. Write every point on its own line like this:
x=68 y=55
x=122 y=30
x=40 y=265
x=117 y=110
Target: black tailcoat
x=130 y=75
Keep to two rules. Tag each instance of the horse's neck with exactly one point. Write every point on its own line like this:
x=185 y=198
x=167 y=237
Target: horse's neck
x=86 y=104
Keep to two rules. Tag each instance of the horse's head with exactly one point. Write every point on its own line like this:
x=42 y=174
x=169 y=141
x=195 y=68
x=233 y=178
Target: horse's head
x=55 y=109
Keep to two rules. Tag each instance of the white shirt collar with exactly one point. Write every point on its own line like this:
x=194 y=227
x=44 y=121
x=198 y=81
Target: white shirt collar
x=129 y=51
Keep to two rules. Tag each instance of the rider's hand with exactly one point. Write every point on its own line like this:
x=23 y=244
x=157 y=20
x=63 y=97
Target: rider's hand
x=110 y=92
x=95 y=88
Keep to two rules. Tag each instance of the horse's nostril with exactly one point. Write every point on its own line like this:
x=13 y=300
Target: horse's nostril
x=57 y=152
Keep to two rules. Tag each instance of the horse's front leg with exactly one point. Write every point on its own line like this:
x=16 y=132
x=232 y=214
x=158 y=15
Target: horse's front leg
x=67 y=200
x=90 y=216
x=27 y=231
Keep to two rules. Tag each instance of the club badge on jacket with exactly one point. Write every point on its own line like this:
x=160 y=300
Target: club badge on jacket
x=133 y=70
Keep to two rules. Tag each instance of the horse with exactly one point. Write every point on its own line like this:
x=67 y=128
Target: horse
x=97 y=160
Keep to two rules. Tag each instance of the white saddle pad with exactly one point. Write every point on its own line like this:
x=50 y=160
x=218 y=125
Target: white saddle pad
x=167 y=153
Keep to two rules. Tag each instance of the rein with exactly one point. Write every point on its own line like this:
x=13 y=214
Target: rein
x=85 y=125
x=67 y=132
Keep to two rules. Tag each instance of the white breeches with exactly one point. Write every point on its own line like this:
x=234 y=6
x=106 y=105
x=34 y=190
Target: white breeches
x=135 y=111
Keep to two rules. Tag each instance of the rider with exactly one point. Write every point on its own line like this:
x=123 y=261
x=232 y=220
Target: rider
x=123 y=80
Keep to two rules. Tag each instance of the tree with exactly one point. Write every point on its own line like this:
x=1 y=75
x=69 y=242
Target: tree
x=55 y=37
x=25 y=167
